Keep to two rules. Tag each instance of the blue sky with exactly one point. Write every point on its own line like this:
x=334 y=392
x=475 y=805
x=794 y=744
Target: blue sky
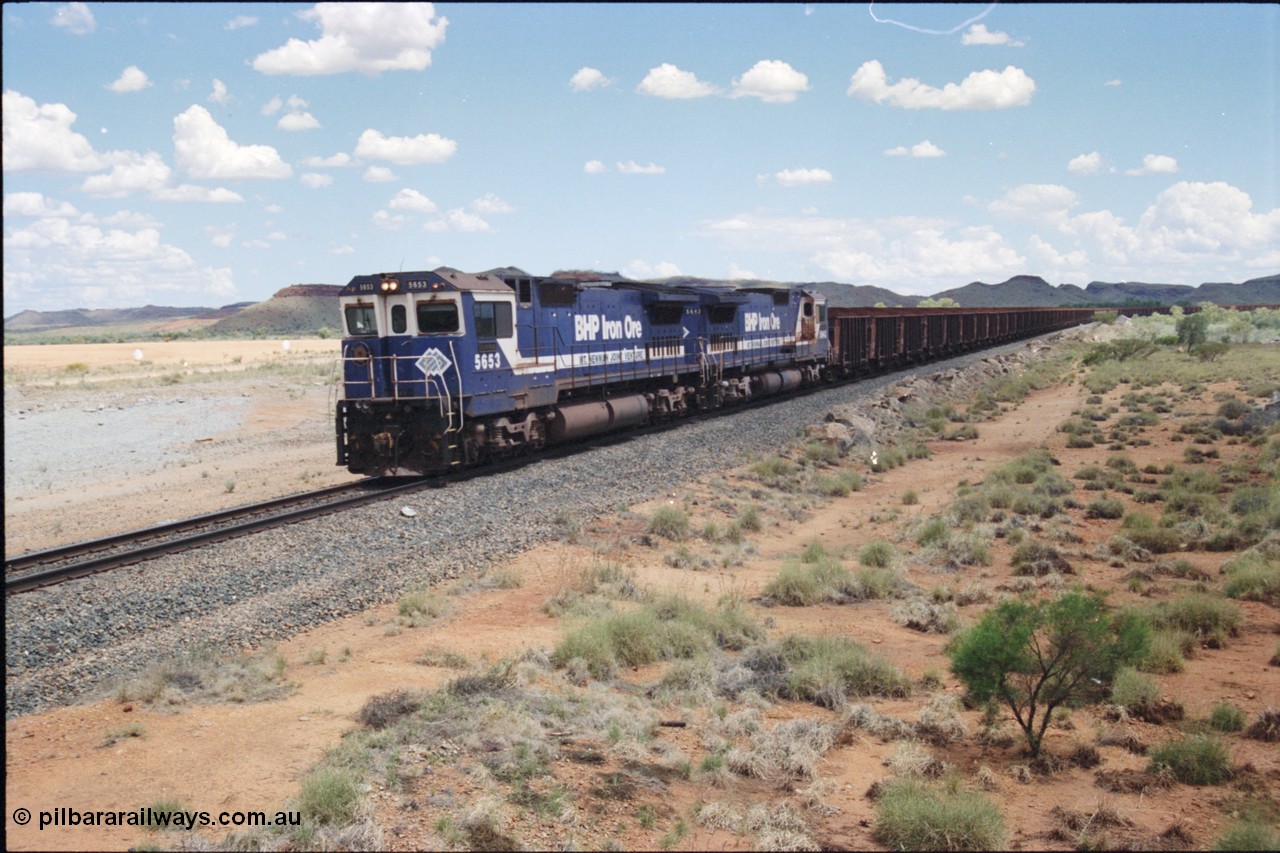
x=201 y=154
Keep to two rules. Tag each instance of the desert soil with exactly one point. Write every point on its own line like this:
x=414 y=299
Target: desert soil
x=225 y=757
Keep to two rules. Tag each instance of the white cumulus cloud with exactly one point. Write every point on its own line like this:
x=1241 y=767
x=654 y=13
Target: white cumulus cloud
x=668 y=81
x=75 y=18
x=643 y=269
x=132 y=79
x=405 y=150
x=240 y=21
x=55 y=262
x=338 y=160
x=490 y=203
x=298 y=121
x=203 y=150
x=981 y=90
x=802 y=177
x=912 y=254
x=366 y=37
x=388 y=221
x=136 y=172
x=631 y=167
x=191 y=192
x=219 y=94
x=1035 y=201
x=924 y=150
x=35 y=204
x=979 y=34
x=587 y=78
x=40 y=137
x=1085 y=164
x=379 y=175
x=772 y=81
x=315 y=180
x=457 y=220
x=1155 y=164
x=408 y=199
x=594 y=167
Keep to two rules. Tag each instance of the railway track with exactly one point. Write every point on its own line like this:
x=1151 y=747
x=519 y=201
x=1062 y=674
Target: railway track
x=38 y=569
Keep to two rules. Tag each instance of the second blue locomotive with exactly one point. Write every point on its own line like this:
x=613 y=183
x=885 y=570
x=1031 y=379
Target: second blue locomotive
x=443 y=368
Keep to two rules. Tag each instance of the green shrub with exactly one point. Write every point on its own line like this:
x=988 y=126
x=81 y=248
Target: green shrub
x=1105 y=508
x=821 y=453
x=1167 y=651
x=933 y=532
x=1037 y=558
x=773 y=468
x=913 y=816
x=825 y=581
x=822 y=670
x=749 y=519
x=1142 y=531
x=798 y=585
x=1252 y=833
x=1037 y=657
x=670 y=628
x=1253 y=578
x=1226 y=718
x=1131 y=689
x=329 y=796
x=1206 y=617
x=839 y=485
x=670 y=522
x=1195 y=760
x=877 y=553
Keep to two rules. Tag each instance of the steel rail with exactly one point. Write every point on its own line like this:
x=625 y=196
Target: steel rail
x=256 y=517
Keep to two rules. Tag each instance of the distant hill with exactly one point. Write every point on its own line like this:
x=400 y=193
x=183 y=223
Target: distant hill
x=1033 y=291
x=1029 y=291
x=1257 y=291
x=1137 y=291
x=295 y=310
x=306 y=309
x=33 y=320
x=860 y=295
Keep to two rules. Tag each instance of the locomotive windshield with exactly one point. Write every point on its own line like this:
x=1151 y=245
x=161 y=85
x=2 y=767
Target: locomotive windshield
x=360 y=321
x=437 y=318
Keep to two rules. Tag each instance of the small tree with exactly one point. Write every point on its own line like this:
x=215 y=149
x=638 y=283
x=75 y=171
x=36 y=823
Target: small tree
x=1192 y=329
x=1035 y=657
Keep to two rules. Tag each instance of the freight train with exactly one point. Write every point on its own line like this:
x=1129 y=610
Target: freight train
x=443 y=369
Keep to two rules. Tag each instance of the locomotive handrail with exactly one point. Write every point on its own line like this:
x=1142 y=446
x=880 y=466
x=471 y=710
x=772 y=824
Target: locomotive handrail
x=444 y=382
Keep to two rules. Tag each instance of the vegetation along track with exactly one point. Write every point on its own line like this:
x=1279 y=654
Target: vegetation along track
x=39 y=569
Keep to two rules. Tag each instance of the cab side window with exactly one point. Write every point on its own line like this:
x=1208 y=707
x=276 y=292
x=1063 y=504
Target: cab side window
x=437 y=318
x=360 y=322
x=493 y=319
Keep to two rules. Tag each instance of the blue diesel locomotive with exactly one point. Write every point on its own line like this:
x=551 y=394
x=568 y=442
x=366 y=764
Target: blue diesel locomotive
x=444 y=369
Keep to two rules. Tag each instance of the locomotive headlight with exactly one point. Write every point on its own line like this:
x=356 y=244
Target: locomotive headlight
x=385 y=287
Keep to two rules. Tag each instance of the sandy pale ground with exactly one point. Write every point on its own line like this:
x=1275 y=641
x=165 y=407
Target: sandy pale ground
x=253 y=756
x=168 y=354
x=241 y=422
